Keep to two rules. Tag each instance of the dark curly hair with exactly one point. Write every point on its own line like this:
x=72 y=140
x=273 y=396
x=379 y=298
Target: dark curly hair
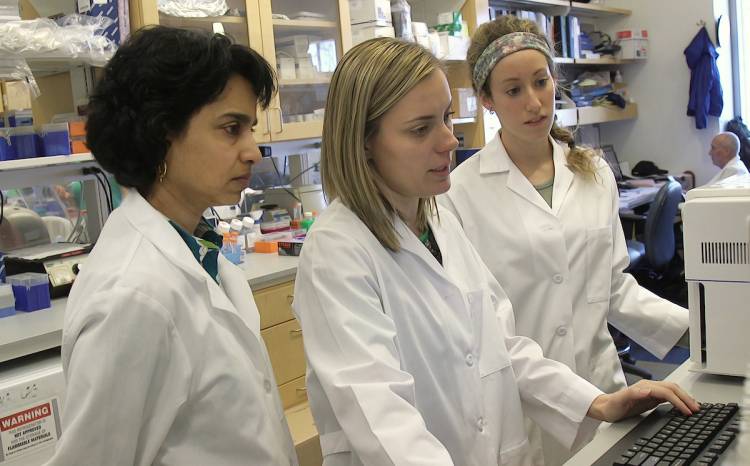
x=151 y=88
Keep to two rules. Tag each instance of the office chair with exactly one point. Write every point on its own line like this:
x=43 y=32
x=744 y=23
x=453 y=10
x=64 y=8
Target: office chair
x=653 y=254
x=657 y=249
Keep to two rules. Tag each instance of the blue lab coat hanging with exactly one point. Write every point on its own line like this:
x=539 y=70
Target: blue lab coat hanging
x=705 y=85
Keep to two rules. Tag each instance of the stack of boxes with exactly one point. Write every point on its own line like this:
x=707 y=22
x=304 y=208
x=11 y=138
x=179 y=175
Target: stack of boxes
x=20 y=139
x=633 y=44
x=370 y=19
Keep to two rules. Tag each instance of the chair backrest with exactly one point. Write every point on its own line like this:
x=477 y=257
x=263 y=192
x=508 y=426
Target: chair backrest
x=659 y=233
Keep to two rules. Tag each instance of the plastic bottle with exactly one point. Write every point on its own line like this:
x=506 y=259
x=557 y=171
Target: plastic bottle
x=248 y=229
x=618 y=77
x=229 y=242
x=238 y=240
x=307 y=221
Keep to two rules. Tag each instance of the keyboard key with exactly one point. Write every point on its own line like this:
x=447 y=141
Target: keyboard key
x=638 y=459
x=651 y=461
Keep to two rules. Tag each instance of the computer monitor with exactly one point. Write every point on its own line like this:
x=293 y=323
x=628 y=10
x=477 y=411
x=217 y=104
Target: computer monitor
x=609 y=154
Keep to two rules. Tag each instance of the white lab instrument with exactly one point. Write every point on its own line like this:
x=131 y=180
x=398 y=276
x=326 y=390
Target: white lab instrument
x=716 y=222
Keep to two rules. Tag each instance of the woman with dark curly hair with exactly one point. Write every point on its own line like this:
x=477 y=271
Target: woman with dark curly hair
x=161 y=342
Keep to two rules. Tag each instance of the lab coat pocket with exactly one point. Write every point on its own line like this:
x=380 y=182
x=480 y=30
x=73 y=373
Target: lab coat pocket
x=598 y=264
x=493 y=355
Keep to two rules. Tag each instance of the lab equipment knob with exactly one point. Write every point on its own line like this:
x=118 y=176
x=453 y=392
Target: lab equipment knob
x=76 y=268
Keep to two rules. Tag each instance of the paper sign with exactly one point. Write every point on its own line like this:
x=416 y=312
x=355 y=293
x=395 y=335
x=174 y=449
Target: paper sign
x=28 y=429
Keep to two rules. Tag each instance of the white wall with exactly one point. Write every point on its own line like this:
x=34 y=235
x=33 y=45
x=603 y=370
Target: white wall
x=663 y=133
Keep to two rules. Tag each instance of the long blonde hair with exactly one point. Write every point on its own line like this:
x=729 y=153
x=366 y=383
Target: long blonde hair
x=580 y=159
x=370 y=79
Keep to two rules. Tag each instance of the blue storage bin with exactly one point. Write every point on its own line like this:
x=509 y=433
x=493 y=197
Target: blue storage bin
x=25 y=141
x=20 y=118
x=7 y=151
x=7 y=301
x=55 y=139
x=31 y=291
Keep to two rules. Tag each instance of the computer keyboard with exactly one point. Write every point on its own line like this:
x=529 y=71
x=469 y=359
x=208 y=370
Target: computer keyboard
x=668 y=438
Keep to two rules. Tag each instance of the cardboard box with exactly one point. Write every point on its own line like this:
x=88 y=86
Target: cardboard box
x=367 y=31
x=633 y=49
x=633 y=43
x=464 y=102
x=370 y=11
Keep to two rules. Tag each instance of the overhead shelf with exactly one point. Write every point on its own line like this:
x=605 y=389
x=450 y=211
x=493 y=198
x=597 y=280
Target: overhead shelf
x=596 y=115
x=463 y=121
x=304 y=25
x=36 y=162
x=305 y=82
x=604 y=61
x=187 y=20
x=553 y=7
x=596 y=10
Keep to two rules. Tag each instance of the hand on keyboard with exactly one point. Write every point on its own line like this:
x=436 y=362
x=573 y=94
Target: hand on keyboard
x=640 y=397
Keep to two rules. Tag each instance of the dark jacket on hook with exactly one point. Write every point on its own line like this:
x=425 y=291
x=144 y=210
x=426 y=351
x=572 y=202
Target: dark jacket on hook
x=705 y=85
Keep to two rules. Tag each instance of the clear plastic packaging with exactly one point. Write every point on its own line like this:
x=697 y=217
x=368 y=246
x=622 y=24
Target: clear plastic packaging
x=401 y=15
x=73 y=36
x=193 y=8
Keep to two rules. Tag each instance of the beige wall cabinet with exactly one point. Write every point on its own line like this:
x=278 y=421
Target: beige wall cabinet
x=303 y=41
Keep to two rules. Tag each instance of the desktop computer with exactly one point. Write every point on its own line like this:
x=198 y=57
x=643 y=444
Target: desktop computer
x=716 y=221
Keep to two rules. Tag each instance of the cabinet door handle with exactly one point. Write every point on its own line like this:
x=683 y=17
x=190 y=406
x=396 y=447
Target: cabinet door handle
x=301 y=391
x=290 y=299
x=295 y=332
x=281 y=120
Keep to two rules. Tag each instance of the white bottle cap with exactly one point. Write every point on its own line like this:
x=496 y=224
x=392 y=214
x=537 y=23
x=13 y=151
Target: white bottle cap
x=236 y=224
x=248 y=222
x=223 y=227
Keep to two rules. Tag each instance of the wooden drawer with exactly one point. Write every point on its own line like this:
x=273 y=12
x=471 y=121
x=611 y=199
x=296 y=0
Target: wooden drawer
x=293 y=393
x=284 y=343
x=275 y=304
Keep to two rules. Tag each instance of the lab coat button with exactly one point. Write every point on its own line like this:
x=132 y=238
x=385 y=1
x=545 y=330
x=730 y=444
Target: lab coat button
x=557 y=278
x=480 y=424
x=561 y=331
x=469 y=359
x=267 y=386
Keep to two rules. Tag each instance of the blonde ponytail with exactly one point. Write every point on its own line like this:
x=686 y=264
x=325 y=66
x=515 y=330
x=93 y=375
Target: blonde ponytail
x=580 y=158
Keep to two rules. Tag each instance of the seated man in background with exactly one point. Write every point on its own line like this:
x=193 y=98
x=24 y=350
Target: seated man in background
x=725 y=149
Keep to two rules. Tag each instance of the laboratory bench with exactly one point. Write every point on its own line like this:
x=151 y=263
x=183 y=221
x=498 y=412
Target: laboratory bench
x=271 y=278
x=707 y=388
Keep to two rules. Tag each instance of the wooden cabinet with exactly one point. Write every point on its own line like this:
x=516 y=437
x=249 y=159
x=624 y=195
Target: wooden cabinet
x=283 y=338
x=303 y=41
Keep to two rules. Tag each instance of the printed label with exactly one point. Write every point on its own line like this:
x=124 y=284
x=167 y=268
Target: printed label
x=29 y=429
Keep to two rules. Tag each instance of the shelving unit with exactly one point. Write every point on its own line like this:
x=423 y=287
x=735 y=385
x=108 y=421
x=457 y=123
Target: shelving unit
x=53 y=161
x=475 y=13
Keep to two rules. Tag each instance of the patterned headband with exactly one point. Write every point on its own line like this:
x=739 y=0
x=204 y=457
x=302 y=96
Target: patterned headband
x=501 y=48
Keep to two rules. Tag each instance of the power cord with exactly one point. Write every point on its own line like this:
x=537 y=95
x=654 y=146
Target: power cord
x=95 y=171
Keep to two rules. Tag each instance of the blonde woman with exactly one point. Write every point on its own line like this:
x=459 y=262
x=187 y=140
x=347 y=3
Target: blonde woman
x=543 y=214
x=410 y=341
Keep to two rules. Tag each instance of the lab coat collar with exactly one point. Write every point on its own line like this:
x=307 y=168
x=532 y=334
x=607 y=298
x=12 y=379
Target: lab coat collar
x=412 y=245
x=155 y=227
x=494 y=158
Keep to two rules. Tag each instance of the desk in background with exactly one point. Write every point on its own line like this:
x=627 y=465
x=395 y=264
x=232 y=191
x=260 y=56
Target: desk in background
x=636 y=197
x=703 y=387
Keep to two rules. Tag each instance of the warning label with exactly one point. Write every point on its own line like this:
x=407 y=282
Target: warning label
x=28 y=429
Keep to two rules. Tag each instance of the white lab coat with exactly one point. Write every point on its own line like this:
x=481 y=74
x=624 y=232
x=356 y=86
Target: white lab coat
x=733 y=167
x=411 y=363
x=562 y=266
x=163 y=366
